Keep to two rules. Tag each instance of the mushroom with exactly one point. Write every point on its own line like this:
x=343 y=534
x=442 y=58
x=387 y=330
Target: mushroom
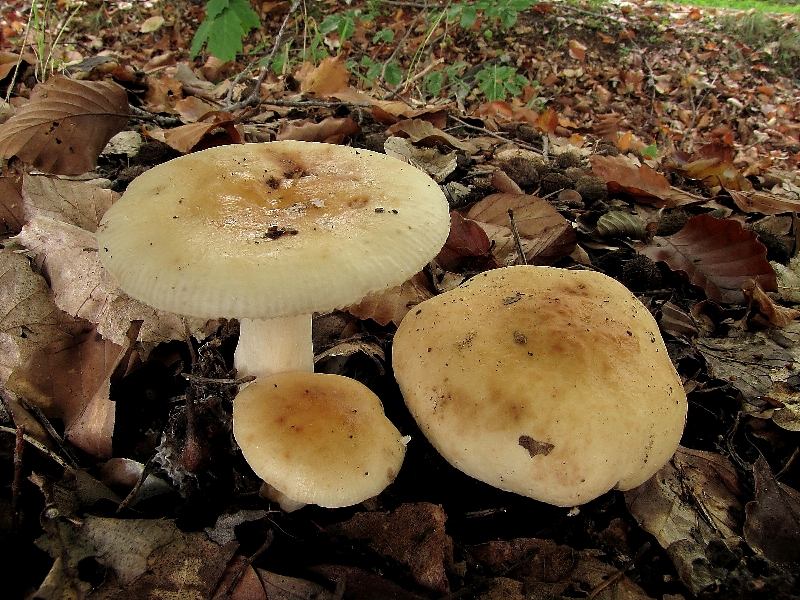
x=317 y=439
x=270 y=233
x=550 y=383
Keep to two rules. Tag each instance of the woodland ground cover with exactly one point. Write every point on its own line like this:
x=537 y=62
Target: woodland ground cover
x=656 y=143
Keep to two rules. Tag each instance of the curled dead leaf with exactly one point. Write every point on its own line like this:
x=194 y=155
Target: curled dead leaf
x=65 y=125
x=717 y=255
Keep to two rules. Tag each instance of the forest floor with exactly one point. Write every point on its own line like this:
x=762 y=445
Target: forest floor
x=656 y=143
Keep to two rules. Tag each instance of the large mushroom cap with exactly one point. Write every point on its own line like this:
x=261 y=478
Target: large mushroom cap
x=270 y=230
x=317 y=438
x=549 y=383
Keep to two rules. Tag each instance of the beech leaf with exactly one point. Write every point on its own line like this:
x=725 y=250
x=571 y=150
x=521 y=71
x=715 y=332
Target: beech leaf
x=29 y=318
x=74 y=202
x=65 y=125
x=546 y=236
x=717 y=255
x=772 y=527
x=68 y=255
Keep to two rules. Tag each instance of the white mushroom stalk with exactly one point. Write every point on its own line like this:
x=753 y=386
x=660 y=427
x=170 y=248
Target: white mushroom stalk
x=269 y=346
x=270 y=234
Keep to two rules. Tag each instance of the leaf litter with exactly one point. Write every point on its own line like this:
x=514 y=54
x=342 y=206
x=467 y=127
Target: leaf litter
x=683 y=183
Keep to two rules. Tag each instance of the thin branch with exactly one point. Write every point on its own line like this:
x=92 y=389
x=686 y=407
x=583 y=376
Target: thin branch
x=38 y=445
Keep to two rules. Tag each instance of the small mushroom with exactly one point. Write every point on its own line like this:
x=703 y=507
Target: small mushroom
x=317 y=439
x=550 y=383
x=269 y=234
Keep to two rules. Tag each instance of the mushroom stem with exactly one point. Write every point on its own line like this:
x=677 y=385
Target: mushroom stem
x=279 y=345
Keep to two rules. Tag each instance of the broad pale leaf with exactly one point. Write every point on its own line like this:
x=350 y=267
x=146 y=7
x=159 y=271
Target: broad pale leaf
x=717 y=255
x=82 y=287
x=546 y=236
x=772 y=527
x=65 y=125
x=75 y=202
x=29 y=317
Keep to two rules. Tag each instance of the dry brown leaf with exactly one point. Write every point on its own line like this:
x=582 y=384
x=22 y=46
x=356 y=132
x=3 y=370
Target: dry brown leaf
x=12 y=215
x=549 y=570
x=65 y=125
x=29 y=318
x=75 y=202
x=692 y=501
x=779 y=316
x=766 y=203
x=192 y=109
x=213 y=129
x=467 y=247
x=390 y=306
x=772 y=527
x=577 y=49
x=162 y=94
x=639 y=181
x=546 y=236
x=330 y=130
x=330 y=77
x=363 y=585
x=72 y=382
x=413 y=534
x=424 y=133
x=717 y=255
x=68 y=255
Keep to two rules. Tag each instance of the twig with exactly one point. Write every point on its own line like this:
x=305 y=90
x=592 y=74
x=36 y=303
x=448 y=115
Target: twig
x=249 y=561
x=618 y=575
x=316 y=103
x=212 y=381
x=38 y=445
x=255 y=96
x=494 y=135
x=45 y=422
x=19 y=448
x=517 y=241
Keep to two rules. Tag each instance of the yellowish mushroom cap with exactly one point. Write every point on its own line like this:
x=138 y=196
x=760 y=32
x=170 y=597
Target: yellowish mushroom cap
x=550 y=383
x=317 y=438
x=271 y=230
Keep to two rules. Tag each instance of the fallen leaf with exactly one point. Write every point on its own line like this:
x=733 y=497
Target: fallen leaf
x=692 y=506
x=390 y=306
x=772 y=527
x=577 y=49
x=12 y=215
x=779 y=316
x=747 y=362
x=467 y=246
x=431 y=160
x=717 y=255
x=639 y=181
x=330 y=130
x=550 y=570
x=213 y=129
x=330 y=77
x=362 y=585
x=412 y=535
x=65 y=125
x=546 y=236
x=83 y=288
x=75 y=202
x=424 y=133
x=29 y=317
x=766 y=203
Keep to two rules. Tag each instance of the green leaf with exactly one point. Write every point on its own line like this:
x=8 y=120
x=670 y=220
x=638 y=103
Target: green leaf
x=434 y=82
x=384 y=35
x=331 y=23
x=225 y=25
x=468 y=17
x=393 y=75
x=214 y=8
x=651 y=151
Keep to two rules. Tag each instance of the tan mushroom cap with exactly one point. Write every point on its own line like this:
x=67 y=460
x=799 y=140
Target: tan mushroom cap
x=270 y=230
x=317 y=438
x=550 y=383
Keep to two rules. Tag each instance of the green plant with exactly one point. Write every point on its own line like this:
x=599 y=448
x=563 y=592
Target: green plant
x=392 y=73
x=224 y=28
x=496 y=81
x=47 y=18
x=436 y=82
